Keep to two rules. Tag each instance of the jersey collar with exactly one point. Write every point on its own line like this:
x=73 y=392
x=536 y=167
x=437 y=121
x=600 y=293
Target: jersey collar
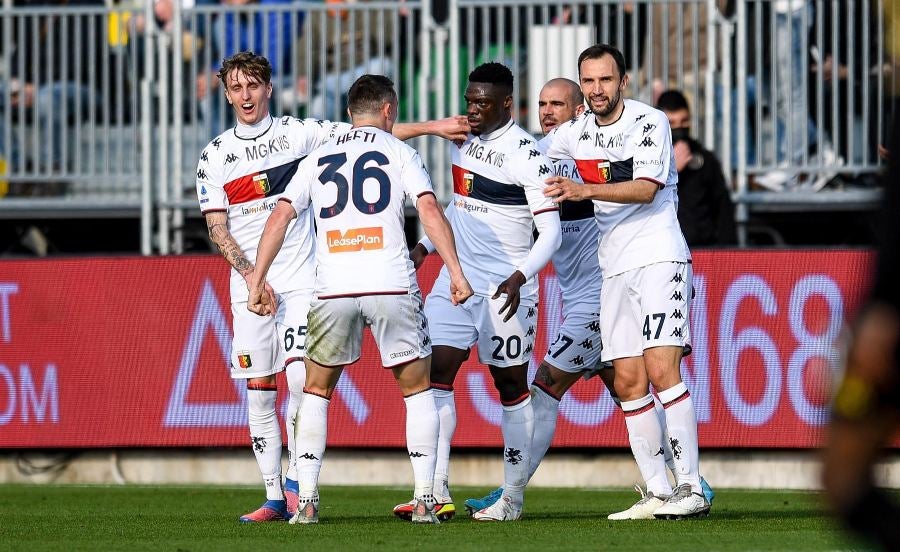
x=497 y=133
x=252 y=132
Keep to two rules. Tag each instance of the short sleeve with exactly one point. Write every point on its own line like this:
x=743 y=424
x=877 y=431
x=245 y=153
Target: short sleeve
x=652 y=149
x=414 y=177
x=556 y=144
x=312 y=133
x=210 y=188
x=297 y=192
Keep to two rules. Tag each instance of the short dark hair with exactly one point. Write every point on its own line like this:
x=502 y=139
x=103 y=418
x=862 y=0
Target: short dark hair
x=672 y=100
x=599 y=50
x=369 y=93
x=248 y=63
x=493 y=73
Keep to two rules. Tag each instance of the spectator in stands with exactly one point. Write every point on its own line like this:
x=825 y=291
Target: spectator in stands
x=269 y=33
x=795 y=133
x=352 y=46
x=843 y=62
x=670 y=62
x=57 y=78
x=705 y=210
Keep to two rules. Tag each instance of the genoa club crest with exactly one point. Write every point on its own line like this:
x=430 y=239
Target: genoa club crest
x=261 y=183
x=469 y=182
x=603 y=171
x=244 y=359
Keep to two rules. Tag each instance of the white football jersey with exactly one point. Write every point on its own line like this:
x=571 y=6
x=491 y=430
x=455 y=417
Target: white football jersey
x=637 y=146
x=356 y=186
x=576 y=263
x=243 y=172
x=498 y=185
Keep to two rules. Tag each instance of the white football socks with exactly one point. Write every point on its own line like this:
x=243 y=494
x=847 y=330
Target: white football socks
x=312 y=430
x=645 y=437
x=446 y=409
x=667 y=447
x=546 y=412
x=518 y=427
x=265 y=438
x=422 y=428
x=681 y=421
x=296 y=379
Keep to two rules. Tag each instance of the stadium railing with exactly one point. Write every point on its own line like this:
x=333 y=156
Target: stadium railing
x=127 y=144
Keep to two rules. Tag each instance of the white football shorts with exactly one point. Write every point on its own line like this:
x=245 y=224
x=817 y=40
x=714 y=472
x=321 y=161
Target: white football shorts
x=397 y=322
x=264 y=345
x=577 y=345
x=500 y=344
x=646 y=307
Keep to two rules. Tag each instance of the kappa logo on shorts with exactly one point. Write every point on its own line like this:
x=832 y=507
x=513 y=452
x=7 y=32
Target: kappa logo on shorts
x=676 y=333
x=677 y=278
x=593 y=325
x=402 y=354
x=587 y=344
x=355 y=239
x=244 y=359
x=677 y=296
x=531 y=312
x=677 y=315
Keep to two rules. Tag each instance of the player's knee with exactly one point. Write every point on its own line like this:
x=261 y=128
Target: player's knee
x=511 y=389
x=261 y=398
x=630 y=386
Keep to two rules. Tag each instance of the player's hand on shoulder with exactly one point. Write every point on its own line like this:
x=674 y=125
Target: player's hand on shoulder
x=417 y=255
x=454 y=128
x=460 y=290
x=510 y=287
x=561 y=189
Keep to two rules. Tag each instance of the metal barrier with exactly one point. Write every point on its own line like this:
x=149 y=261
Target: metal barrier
x=125 y=139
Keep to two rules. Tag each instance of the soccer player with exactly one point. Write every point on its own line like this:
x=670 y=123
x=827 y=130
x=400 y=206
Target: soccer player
x=356 y=187
x=240 y=176
x=498 y=183
x=625 y=148
x=575 y=353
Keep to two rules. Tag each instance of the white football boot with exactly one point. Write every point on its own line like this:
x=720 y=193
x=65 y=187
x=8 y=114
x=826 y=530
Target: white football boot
x=643 y=508
x=684 y=503
x=502 y=510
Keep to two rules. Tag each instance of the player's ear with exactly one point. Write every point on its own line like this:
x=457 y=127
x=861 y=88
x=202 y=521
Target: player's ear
x=624 y=82
x=387 y=110
x=579 y=109
x=269 y=90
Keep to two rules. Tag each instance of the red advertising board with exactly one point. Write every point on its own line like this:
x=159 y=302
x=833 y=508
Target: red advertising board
x=134 y=352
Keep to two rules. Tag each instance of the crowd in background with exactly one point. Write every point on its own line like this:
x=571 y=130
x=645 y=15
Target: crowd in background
x=59 y=78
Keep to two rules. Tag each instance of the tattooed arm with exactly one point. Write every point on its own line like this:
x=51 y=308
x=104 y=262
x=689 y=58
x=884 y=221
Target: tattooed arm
x=217 y=223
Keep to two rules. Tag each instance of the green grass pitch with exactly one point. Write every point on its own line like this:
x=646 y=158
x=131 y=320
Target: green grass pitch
x=38 y=518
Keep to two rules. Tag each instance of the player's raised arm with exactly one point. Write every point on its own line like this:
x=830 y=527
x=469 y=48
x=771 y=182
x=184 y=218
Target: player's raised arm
x=438 y=230
x=454 y=128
